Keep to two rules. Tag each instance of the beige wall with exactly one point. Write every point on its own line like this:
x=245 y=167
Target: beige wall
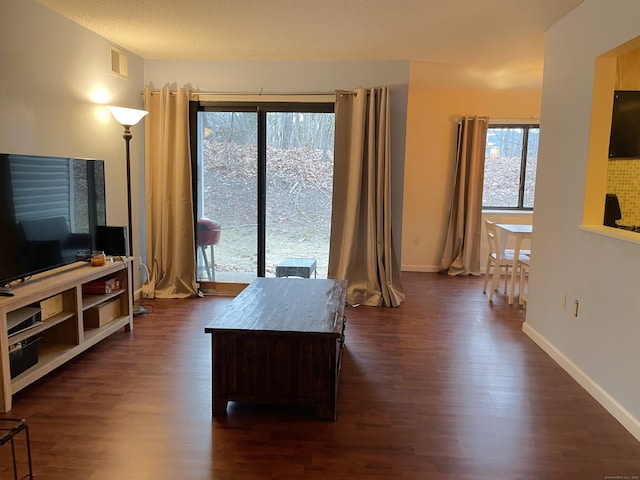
x=430 y=156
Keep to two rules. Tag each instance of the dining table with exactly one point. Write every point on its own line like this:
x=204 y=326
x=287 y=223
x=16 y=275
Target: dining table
x=519 y=232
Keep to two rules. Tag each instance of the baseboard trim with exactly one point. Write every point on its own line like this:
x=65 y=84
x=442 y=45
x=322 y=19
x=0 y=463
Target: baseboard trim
x=618 y=412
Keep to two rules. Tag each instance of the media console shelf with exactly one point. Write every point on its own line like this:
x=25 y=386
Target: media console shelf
x=75 y=320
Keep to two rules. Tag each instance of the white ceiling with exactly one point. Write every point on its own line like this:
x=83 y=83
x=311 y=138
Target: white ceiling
x=501 y=40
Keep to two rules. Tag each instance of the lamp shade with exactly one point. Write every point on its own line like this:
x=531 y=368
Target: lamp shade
x=127 y=116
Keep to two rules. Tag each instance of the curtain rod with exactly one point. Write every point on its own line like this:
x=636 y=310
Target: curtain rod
x=255 y=98
x=516 y=121
x=196 y=93
x=497 y=121
x=156 y=91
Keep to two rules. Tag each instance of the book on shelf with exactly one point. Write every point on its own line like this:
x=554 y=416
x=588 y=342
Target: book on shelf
x=101 y=287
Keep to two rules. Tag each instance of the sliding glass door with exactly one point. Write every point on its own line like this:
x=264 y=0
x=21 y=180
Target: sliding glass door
x=264 y=182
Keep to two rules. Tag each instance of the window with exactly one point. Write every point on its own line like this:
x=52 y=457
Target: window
x=511 y=156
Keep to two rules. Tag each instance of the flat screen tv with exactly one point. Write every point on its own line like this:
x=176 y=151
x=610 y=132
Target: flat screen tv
x=49 y=210
x=624 y=141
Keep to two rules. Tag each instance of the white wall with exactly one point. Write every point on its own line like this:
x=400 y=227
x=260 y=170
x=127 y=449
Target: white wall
x=52 y=73
x=302 y=77
x=600 y=346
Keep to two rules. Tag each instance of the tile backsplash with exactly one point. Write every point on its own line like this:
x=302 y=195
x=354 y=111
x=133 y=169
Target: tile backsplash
x=623 y=179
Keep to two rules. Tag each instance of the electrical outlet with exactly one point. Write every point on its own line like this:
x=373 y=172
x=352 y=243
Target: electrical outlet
x=138 y=263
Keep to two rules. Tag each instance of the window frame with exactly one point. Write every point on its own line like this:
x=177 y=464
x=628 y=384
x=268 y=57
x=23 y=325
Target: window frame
x=526 y=126
x=261 y=109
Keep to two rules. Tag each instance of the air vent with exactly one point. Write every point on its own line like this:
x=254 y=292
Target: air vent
x=119 y=63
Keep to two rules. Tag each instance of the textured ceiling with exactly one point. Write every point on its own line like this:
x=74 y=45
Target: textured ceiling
x=489 y=38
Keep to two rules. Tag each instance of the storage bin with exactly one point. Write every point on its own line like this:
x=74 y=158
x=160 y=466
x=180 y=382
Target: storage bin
x=51 y=306
x=24 y=356
x=105 y=312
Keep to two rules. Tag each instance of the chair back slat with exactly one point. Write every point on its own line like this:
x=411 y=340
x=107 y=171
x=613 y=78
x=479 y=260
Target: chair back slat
x=492 y=238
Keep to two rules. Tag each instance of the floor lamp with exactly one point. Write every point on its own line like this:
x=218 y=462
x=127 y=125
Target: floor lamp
x=128 y=117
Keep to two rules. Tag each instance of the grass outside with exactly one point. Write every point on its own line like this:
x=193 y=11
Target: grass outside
x=298 y=207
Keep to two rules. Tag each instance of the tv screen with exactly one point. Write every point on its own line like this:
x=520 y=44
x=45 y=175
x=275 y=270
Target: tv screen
x=624 y=141
x=49 y=210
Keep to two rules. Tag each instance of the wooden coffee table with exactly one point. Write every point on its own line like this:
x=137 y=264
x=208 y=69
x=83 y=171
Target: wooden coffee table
x=280 y=342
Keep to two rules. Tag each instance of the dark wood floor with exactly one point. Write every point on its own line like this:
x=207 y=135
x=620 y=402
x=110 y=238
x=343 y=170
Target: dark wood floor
x=444 y=387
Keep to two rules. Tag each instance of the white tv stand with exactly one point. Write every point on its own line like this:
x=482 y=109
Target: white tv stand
x=66 y=334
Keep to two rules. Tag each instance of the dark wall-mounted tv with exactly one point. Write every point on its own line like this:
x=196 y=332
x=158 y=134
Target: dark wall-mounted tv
x=624 y=141
x=49 y=210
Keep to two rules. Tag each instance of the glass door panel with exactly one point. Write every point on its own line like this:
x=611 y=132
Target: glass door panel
x=299 y=182
x=532 y=166
x=227 y=197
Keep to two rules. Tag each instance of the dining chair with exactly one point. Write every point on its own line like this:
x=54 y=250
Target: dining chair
x=523 y=292
x=498 y=262
x=208 y=234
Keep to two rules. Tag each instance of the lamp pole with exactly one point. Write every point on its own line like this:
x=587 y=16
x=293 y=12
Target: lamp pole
x=127 y=139
x=127 y=117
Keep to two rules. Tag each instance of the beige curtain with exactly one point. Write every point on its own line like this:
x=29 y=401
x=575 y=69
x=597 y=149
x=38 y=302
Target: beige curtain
x=170 y=238
x=361 y=247
x=462 y=250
